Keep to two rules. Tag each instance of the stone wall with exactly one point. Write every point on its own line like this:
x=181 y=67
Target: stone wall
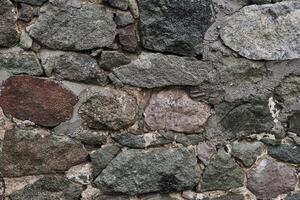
x=149 y=99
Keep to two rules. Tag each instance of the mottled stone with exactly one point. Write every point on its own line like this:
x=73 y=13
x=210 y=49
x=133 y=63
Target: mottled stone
x=91 y=193
x=2 y=188
x=102 y=157
x=25 y=41
x=270 y=179
x=41 y=101
x=157 y=197
x=110 y=109
x=8 y=24
x=295 y=196
x=32 y=2
x=166 y=170
x=26 y=12
x=222 y=173
x=140 y=141
x=286 y=153
x=36 y=151
x=175 y=26
x=174 y=110
x=247 y=152
x=112 y=59
x=205 y=150
x=124 y=19
x=230 y=196
x=17 y=61
x=86 y=28
x=120 y=4
x=80 y=173
x=73 y=67
x=294 y=123
x=152 y=70
x=265 y=32
x=182 y=138
x=49 y=187
x=128 y=37
x=18 y=183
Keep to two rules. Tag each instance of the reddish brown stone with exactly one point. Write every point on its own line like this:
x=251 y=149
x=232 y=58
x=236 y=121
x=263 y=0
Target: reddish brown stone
x=41 y=101
x=128 y=37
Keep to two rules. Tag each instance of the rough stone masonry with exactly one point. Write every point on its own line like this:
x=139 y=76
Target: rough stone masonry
x=149 y=99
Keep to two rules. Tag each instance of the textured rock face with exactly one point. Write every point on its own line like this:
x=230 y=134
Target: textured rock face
x=84 y=28
x=175 y=26
x=275 y=178
x=8 y=26
x=32 y=2
x=271 y=31
x=110 y=109
x=120 y=4
x=152 y=70
x=174 y=110
x=286 y=153
x=111 y=59
x=41 y=101
x=23 y=149
x=205 y=151
x=167 y=170
x=128 y=37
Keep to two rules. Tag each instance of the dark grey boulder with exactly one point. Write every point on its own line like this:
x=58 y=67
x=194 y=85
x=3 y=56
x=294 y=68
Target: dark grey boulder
x=124 y=19
x=285 y=152
x=120 y=4
x=295 y=196
x=112 y=59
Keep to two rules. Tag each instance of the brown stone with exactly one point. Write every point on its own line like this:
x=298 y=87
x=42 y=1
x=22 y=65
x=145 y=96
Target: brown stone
x=128 y=37
x=270 y=179
x=174 y=110
x=41 y=101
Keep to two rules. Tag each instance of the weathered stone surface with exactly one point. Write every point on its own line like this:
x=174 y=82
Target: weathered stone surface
x=230 y=196
x=247 y=152
x=110 y=109
x=175 y=26
x=73 y=67
x=101 y=158
x=2 y=188
x=41 y=101
x=182 y=138
x=18 y=183
x=25 y=41
x=87 y=27
x=112 y=59
x=124 y=19
x=205 y=150
x=157 y=197
x=222 y=173
x=91 y=193
x=294 y=125
x=32 y=2
x=140 y=141
x=152 y=70
x=286 y=153
x=26 y=12
x=129 y=38
x=49 y=187
x=295 y=196
x=17 y=61
x=36 y=151
x=8 y=24
x=271 y=31
x=174 y=110
x=81 y=174
x=120 y=4
x=167 y=170
x=270 y=179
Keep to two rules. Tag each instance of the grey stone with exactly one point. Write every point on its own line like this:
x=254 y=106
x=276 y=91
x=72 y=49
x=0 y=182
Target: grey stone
x=140 y=141
x=73 y=67
x=285 y=152
x=112 y=59
x=124 y=19
x=230 y=196
x=17 y=61
x=175 y=26
x=25 y=40
x=295 y=196
x=129 y=38
x=222 y=173
x=182 y=138
x=8 y=24
x=120 y=4
x=154 y=170
x=102 y=157
x=49 y=187
x=271 y=31
x=36 y=151
x=27 y=12
x=2 y=188
x=86 y=28
x=32 y=2
x=294 y=125
x=157 y=197
x=247 y=152
x=205 y=150
x=81 y=174
x=270 y=179
x=152 y=70
x=110 y=109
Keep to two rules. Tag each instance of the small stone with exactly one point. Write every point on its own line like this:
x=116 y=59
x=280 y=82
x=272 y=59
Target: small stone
x=73 y=67
x=91 y=193
x=41 y=101
x=259 y=39
x=182 y=138
x=80 y=173
x=152 y=70
x=230 y=196
x=112 y=59
x=174 y=110
x=25 y=40
x=222 y=173
x=205 y=150
x=155 y=170
x=120 y=4
x=26 y=12
x=32 y=2
x=102 y=157
x=17 y=61
x=8 y=24
x=110 y=109
x=295 y=196
x=15 y=184
x=274 y=177
x=128 y=37
x=294 y=125
x=157 y=197
x=2 y=188
x=49 y=187
x=86 y=28
x=285 y=152
x=124 y=19
x=247 y=152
